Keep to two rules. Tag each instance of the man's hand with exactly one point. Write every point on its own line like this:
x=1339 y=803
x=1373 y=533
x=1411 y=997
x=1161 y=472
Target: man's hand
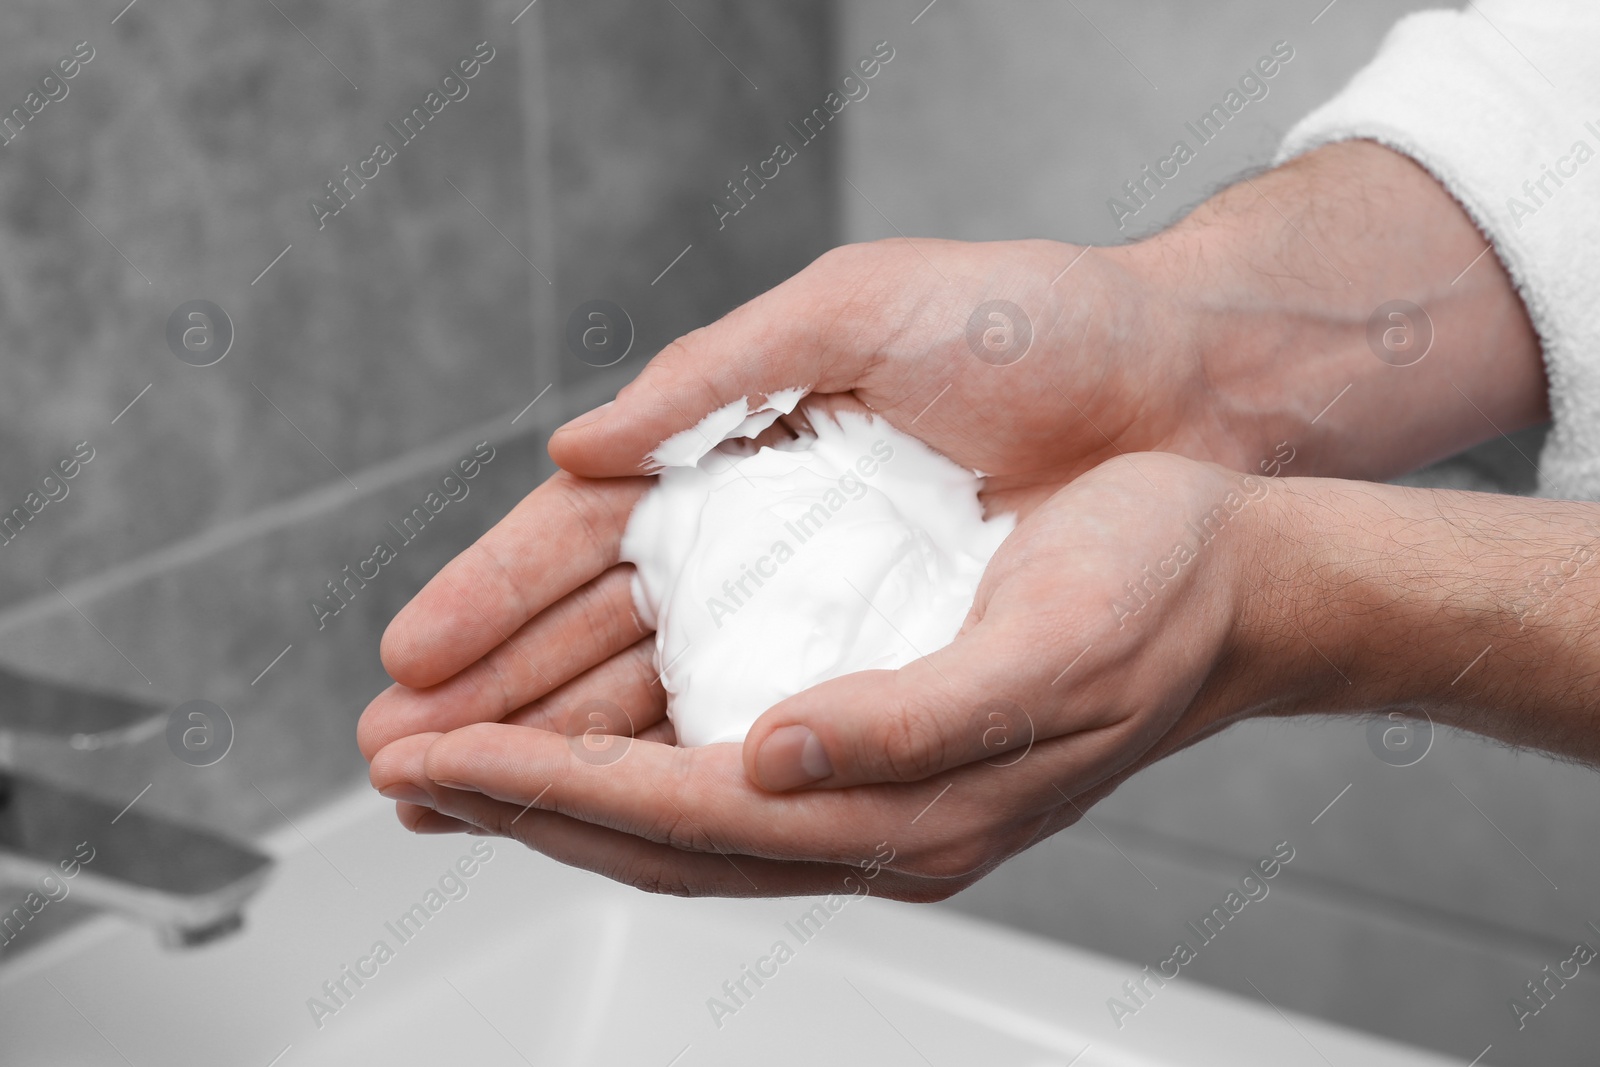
x=1061 y=685
x=540 y=604
x=1110 y=369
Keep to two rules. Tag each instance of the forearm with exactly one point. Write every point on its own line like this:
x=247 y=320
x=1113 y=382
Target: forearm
x=1481 y=610
x=1280 y=275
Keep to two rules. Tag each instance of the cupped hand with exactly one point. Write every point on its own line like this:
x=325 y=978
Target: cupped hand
x=535 y=618
x=1032 y=361
x=1062 y=683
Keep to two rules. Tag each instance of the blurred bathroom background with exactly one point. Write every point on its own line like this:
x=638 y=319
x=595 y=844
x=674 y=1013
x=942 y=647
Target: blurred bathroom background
x=432 y=313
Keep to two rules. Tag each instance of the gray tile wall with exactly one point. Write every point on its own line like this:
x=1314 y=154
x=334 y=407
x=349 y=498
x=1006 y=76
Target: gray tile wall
x=420 y=320
x=1422 y=901
x=194 y=142
x=645 y=132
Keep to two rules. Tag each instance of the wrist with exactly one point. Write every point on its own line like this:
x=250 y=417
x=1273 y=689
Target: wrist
x=1272 y=662
x=1279 y=280
x=1477 y=609
x=1208 y=383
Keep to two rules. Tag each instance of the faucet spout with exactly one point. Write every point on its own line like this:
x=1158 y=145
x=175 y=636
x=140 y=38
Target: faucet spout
x=188 y=883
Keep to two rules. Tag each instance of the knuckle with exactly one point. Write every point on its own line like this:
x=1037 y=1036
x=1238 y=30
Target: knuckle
x=596 y=605
x=681 y=352
x=484 y=554
x=658 y=879
x=837 y=256
x=912 y=744
x=678 y=831
x=846 y=274
x=495 y=683
x=498 y=822
x=592 y=510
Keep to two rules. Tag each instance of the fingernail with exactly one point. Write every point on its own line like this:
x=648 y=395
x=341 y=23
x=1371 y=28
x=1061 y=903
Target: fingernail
x=587 y=417
x=407 y=792
x=456 y=785
x=791 y=757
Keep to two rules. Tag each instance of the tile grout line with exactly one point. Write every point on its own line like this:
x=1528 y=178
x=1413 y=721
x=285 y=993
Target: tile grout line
x=289 y=512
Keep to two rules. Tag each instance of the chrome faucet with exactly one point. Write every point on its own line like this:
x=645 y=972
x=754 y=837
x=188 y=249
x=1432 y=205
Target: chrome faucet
x=190 y=884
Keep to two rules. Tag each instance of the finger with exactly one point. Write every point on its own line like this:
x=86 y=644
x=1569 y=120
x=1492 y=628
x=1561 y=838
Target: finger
x=626 y=682
x=972 y=700
x=623 y=695
x=562 y=535
x=695 y=799
x=787 y=337
x=699 y=799
x=658 y=868
x=390 y=769
x=422 y=820
x=660 y=733
x=625 y=858
x=584 y=628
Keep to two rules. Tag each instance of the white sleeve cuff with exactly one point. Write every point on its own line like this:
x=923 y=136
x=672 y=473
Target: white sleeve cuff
x=1501 y=103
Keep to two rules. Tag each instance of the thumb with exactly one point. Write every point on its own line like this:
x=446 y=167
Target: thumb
x=786 y=338
x=966 y=702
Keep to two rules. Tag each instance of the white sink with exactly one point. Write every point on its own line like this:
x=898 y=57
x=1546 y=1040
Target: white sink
x=540 y=964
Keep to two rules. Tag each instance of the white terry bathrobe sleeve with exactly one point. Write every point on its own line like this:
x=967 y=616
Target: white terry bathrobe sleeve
x=1500 y=101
